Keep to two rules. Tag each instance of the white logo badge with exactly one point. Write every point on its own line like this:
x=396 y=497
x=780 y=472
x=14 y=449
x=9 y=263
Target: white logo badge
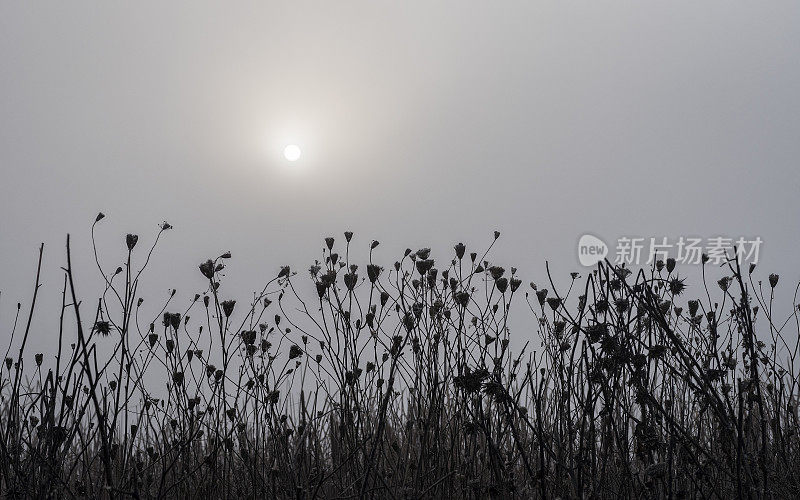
x=591 y=250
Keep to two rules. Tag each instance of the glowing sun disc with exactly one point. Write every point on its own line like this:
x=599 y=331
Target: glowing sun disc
x=292 y=152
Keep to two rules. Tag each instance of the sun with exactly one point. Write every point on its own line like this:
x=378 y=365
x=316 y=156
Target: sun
x=292 y=152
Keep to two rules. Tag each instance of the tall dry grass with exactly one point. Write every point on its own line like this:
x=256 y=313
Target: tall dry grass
x=362 y=381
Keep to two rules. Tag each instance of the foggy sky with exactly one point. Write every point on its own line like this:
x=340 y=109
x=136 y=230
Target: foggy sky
x=421 y=124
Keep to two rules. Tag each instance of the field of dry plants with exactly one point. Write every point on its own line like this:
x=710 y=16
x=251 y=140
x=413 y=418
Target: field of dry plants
x=398 y=380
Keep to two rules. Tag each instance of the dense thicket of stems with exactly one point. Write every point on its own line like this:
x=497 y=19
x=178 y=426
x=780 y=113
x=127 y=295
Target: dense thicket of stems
x=359 y=381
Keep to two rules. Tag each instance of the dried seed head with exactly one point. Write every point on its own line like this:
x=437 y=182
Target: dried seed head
x=131 y=241
x=103 y=328
x=496 y=272
x=773 y=280
x=424 y=265
x=541 y=295
x=554 y=302
x=677 y=286
x=172 y=319
x=207 y=268
x=460 y=249
x=350 y=280
x=373 y=271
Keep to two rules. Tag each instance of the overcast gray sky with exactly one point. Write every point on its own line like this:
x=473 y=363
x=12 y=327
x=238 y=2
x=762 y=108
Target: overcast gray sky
x=421 y=124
